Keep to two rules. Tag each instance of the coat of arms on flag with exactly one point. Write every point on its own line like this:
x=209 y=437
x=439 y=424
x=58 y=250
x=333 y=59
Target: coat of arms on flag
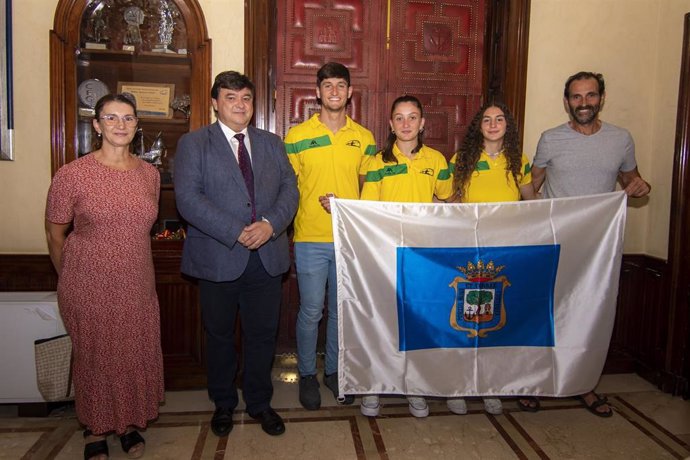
x=479 y=306
x=485 y=308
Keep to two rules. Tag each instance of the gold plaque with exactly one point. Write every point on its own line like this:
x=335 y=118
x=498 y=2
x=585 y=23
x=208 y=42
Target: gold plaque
x=153 y=99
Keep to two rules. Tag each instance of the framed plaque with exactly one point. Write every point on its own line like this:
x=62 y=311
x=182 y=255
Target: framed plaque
x=153 y=99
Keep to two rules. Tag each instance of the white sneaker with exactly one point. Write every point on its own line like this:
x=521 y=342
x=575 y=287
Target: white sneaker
x=457 y=405
x=418 y=406
x=493 y=406
x=370 y=405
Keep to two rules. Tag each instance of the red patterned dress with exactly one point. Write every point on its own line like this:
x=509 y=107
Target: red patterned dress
x=106 y=291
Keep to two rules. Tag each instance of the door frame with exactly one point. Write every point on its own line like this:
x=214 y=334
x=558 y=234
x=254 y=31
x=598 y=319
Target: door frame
x=505 y=55
x=676 y=368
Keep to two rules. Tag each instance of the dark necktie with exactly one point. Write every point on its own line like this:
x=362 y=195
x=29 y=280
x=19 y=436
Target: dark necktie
x=246 y=168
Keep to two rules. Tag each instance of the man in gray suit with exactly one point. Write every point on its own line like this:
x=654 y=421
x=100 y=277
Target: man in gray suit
x=237 y=191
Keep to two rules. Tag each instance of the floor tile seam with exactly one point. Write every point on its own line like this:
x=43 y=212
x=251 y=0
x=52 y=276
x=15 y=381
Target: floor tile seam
x=240 y=417
x=522 y=431
x=378 y=438
x=654 y=438
x=295 y=420
x=62 y=441
x=652 y=422
x=200 y=441
x=45 y=429
x=356 y=438
x=277 y=409
x=157 y=425
x=556 y=404
x=37 y=445
x=531 y=450
x=221 y=447
x=507 y=438
x=445 y=413
x=407 y=414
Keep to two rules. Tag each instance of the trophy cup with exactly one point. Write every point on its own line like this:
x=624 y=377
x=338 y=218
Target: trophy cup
x=98 y=33
x=166 y=26
x=154 y=154
x=134 y=17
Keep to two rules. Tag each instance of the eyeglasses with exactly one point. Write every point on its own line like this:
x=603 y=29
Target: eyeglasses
x=113 y=120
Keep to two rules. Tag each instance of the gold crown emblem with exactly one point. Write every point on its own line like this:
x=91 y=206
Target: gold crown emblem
x=488 y=271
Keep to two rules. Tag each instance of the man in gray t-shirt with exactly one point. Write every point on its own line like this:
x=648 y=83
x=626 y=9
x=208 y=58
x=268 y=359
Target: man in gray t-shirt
x=583 y=157
x=580 y=164
x=586 y=156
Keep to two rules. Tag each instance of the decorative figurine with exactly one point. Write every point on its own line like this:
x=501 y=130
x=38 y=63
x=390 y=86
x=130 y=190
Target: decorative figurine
x=134 y=17
x=182 y=104
x=154 y=154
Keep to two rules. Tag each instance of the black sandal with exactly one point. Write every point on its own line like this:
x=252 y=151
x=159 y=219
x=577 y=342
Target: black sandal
x=532 y=406
x=96 y=448
x=131 y=439
x=597 y=404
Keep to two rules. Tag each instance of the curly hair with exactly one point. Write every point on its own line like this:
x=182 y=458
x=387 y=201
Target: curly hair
x=387 y=151
x=473 y=144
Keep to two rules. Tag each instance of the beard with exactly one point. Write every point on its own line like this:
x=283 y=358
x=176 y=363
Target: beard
x=584 y=118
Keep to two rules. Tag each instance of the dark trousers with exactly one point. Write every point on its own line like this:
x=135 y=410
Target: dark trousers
x=256 y=295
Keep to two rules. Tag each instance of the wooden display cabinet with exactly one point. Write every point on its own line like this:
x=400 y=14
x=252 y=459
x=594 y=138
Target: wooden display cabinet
x=96 y=46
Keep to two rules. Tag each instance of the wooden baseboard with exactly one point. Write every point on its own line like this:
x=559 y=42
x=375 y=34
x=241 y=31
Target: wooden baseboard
x=20 y=272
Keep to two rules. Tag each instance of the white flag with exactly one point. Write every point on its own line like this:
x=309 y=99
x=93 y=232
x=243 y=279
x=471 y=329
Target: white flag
x=476 y=299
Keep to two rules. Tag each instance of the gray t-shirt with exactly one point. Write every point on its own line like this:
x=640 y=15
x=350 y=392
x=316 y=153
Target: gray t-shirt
x=577 y=164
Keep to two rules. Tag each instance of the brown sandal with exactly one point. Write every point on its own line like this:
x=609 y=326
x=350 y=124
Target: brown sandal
x=597 y=404
x=532 y=404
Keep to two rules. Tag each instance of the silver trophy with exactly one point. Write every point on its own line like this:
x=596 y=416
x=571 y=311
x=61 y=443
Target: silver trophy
x=166 y=27
x=155 y=153
x=182 y=104
x=134 y=17
x=98 y=27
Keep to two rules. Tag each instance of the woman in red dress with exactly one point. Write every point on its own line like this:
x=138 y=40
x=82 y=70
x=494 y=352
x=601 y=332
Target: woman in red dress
x=99 y=214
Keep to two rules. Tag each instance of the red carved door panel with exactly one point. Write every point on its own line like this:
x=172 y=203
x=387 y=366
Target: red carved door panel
x=435 y=52
x=313 y=32
x=431 y=49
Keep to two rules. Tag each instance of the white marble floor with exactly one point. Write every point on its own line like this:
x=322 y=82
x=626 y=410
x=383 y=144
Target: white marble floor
x=647 y=424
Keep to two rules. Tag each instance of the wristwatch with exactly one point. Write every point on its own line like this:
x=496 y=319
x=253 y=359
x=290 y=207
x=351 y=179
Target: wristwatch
x=263 y=219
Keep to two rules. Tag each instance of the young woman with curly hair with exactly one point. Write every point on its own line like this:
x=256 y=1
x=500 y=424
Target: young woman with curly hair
x=490 y=165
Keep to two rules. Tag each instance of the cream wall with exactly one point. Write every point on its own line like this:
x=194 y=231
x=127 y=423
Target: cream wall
x=636 y=44
x=24 y=182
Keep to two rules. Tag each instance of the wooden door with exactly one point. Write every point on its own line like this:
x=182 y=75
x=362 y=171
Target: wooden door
x=433 y=50
x=311 y=33
x=452 y=54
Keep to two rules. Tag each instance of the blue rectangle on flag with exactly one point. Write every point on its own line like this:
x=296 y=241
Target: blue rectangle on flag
x=476 y=297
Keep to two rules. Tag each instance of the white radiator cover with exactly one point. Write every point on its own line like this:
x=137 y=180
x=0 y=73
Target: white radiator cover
x=24 y=317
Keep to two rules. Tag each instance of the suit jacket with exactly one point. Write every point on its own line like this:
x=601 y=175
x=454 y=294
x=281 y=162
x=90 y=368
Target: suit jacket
x=212 y=197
